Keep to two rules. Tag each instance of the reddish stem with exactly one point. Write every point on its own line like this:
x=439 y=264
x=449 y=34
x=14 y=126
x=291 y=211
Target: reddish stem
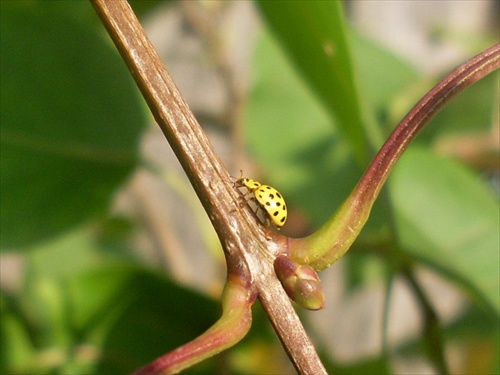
x=330 y=243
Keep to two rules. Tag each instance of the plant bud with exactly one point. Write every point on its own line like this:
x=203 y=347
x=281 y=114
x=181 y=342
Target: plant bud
x=300 y=282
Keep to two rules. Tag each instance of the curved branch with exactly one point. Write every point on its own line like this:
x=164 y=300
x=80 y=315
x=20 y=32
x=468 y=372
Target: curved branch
x=329 y=243
x=232 y=326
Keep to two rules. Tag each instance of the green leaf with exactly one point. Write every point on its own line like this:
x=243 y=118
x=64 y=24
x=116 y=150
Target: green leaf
x=16 y=347
x=449 y=219
x=71 y=119
x=374 y=365
x=148 y=315
x=97 y=314
x=315 y=36
x=384 y=79
x=143 y=8
x=290 y=134
x=478 y=332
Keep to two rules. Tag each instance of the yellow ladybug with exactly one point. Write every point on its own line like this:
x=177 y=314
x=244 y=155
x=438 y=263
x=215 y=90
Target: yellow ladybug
x=268 y=198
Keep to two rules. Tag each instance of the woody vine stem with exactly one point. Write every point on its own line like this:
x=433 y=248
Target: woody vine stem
x=243 y=241
x=250 y=250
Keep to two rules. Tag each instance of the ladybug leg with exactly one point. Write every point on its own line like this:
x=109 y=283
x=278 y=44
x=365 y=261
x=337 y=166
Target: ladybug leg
x=244 y=199
x=255 y=209
x=267 y=224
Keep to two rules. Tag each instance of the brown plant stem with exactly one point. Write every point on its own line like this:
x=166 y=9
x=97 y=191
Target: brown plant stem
x=249 y=249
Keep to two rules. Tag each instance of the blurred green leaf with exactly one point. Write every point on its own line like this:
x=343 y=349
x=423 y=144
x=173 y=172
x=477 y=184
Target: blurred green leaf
x=290 y=134
x=151 y=317
x=314 y=34
x=449 y=219
x=471 y=112
x=384 y=80
x=97 y=315
x=375 y=365
x=478 y=331
x=143 y=8
x=71 y=121
x=16 y=347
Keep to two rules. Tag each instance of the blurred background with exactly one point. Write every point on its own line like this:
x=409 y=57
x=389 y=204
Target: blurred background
x=108 y=258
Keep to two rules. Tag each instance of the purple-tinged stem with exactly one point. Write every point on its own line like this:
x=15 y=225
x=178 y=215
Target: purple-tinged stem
x=232 y=326
x=329 y=243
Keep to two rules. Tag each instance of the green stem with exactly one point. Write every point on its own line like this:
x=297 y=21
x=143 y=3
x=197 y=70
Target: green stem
x=330 y=242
